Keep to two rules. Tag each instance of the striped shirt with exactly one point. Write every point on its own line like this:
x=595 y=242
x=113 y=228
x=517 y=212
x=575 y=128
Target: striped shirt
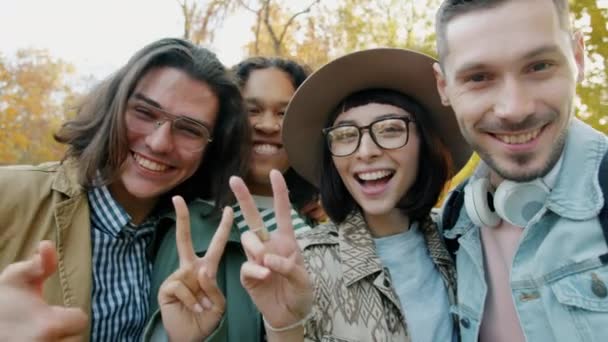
x=265 y=207
x=121 y=270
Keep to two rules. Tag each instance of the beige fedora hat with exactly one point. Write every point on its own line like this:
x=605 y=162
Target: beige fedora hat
x=405 y=71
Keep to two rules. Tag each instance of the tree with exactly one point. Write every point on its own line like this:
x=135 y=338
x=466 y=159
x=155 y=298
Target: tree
x=201 y=21
x=593 y=93
x=274 y=26
x=33 y=93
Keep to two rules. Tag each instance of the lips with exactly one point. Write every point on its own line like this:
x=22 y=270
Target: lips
x=149 y=164
x=266 y=149
x=374 y=175
x=521 y=138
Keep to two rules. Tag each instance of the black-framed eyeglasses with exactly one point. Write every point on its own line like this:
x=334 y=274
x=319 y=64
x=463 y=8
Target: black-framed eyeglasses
x=189 y=134
x=388 y=133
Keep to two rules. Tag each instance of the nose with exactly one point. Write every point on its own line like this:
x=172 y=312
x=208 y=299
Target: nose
x=161 y=139
x=268 y=123
x=514 y=102
x=367 y=147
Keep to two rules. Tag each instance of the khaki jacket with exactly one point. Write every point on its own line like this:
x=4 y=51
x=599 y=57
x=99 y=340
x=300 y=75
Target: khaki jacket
x=353 y=296
x=46 y=202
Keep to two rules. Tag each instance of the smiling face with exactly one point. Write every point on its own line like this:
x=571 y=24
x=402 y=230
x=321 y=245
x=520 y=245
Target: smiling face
x=378 y=178
x=267 y=93
x=513 y=104
x=156 y=162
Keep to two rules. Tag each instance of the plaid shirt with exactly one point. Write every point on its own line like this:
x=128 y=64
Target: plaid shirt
x=121 y=270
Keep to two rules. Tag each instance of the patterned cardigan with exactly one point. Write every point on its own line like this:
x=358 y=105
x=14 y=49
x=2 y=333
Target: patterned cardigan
x=354 y=299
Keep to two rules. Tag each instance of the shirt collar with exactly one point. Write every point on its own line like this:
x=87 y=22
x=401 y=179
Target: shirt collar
x=109 y=216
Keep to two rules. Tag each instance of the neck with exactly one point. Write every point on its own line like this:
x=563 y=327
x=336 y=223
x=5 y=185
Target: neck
x=257 y=188
x=137 y=208
x=495 y=179
x=391 y=223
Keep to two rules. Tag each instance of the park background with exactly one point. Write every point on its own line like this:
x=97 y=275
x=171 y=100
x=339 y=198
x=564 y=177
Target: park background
x=52 y=52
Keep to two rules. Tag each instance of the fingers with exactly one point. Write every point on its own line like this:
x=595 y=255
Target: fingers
x=288 y=268
x=175 y=289
x=35 y=270
x=248 y=207
x=253 y=246
x=282 y=207
x=219 y=241
x=183 y=238
x=66 y=322
x=48 y=256
x=253 y=271
x=214 y=299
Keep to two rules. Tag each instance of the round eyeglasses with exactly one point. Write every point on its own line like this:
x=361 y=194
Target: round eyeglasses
x=388 y=133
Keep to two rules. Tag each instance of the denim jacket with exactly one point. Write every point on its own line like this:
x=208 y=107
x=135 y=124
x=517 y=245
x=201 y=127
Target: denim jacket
x=558 y=284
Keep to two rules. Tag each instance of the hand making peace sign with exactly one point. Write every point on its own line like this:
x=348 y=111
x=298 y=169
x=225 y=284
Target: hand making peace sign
x=274 y=274
x=190 y=302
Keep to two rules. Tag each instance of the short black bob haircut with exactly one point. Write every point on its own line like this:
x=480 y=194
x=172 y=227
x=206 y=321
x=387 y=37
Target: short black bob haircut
x=434 y=164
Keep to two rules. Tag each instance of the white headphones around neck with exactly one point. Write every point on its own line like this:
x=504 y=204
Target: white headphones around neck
x=513 y=202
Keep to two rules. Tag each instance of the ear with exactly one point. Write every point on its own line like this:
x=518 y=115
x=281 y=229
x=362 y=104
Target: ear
x=441 y=84
x=578 y=47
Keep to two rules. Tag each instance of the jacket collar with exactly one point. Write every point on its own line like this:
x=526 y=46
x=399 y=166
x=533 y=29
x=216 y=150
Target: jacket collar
x=577 y=194
x=66 y=179
x=357 y=249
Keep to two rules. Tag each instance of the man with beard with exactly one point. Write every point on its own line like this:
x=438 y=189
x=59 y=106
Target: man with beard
x=532 y=254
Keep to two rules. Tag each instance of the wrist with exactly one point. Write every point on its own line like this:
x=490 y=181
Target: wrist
x=293 y=335
x=293 y=326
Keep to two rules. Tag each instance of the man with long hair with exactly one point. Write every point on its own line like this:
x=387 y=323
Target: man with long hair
x=170 y=122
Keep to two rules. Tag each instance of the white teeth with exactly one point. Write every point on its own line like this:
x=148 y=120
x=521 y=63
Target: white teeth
x=148 y=164
x=374 y=175
x=518 y=138
x=265 y=149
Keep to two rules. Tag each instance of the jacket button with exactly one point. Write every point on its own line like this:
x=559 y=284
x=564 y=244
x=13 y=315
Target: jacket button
x=598 y=287
x=465 y=323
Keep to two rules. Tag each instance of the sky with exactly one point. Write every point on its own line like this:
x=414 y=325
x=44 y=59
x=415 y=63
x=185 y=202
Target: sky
x=98 y=36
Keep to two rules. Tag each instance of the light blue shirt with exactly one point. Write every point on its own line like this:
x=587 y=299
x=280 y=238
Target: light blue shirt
x=418 y=285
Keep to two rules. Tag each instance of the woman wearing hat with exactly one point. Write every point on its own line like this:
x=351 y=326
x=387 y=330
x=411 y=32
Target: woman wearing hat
x=369 y=129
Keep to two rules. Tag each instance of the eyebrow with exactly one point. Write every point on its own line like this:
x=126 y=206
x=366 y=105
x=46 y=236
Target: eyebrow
x=383 y=116
x=149 y=101
x=545 y=49
x=157 y=106
x=257 y=102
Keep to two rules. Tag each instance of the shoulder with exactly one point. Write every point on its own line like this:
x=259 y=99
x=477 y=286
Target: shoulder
x=27 y=185
x=16 y=175
x=322 y=235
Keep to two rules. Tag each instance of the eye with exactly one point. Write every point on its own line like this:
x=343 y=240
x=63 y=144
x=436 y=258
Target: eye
x=477 y=78
x=144 y=113
x=254 y=110
x=541 y=66
x=344 y=134
x=389 y=128
x=190 y=129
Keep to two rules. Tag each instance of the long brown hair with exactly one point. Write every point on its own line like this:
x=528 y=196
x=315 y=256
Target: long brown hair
x=97 y=137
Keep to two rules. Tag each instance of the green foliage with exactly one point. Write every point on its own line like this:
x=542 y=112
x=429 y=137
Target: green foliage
x=593 y=93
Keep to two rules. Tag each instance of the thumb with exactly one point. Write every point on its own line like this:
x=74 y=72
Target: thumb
x=65 y=322
x=48 y=258
x=34 y=271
